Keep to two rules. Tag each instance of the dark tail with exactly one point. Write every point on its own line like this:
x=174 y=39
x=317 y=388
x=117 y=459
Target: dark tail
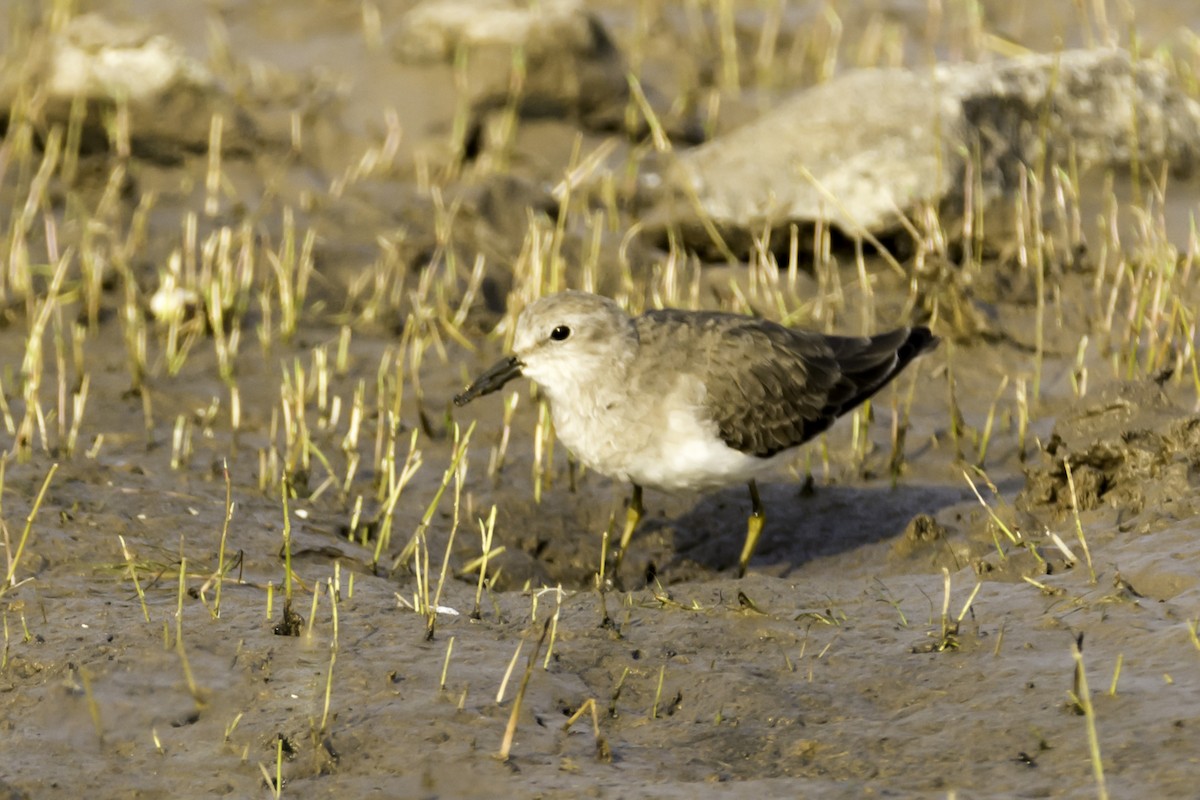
x=869 y=363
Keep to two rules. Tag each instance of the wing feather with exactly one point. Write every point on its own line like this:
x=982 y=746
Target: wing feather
x=771 y=388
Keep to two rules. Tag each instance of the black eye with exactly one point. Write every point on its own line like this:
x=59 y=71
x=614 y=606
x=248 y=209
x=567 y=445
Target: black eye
x=560 y=333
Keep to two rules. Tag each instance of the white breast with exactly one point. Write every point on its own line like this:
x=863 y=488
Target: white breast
x=647 y=444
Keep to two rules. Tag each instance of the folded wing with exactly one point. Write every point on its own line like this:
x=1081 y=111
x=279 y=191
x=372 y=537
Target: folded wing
x=797 y=383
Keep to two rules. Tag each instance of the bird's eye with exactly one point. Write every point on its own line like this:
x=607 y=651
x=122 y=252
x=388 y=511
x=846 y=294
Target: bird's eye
x=560 y=333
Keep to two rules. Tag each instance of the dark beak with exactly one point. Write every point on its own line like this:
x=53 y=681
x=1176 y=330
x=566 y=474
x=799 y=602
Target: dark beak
x=493 y=380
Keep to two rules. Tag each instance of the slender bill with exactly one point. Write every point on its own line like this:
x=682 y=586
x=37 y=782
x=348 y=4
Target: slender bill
x=500 y=373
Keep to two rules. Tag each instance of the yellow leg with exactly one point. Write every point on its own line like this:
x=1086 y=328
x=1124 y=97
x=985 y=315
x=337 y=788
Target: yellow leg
x=754 y=527
x=633 y=515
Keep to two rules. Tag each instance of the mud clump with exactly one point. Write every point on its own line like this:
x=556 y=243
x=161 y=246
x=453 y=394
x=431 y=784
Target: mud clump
x=1128 y=447
x=922 y=534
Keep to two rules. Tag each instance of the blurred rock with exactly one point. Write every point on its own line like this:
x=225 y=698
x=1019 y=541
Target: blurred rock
x=569 y=62
x=171 y=98
x=872 y=147
x=870 y=140
x=95 y=57
x=1111 y=110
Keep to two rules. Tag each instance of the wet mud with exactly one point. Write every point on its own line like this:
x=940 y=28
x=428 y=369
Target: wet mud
x=951 y=591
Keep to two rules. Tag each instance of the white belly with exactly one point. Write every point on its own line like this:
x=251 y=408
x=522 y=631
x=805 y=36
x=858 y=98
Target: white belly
x=671 y=451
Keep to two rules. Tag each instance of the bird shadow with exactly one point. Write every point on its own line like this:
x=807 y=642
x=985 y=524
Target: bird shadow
x=689 y=537
x=801 y=525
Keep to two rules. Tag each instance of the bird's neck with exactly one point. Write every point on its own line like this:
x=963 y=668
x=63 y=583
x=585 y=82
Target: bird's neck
x=593 y=382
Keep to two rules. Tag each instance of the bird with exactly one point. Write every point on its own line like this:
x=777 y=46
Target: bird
x=680 y=400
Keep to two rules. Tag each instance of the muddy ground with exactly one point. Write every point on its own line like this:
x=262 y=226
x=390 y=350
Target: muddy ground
x=895 y=637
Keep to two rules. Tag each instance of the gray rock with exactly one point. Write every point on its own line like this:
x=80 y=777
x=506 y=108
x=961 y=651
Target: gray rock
x=95 y=57
x=1112 y=110
x=569 y=61
x=871 y=145
x=170 y=97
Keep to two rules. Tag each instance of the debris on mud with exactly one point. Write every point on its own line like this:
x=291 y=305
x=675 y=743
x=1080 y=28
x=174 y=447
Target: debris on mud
x=1127 y=447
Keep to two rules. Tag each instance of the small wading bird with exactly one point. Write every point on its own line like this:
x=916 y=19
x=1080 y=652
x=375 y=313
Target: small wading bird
x=690 y=399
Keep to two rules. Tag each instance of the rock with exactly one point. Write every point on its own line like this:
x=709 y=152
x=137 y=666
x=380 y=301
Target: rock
x=874 y=146
x=95 y=57
x=869 y=140
x=171 y=98
x=569 y=62
x=1088 y=100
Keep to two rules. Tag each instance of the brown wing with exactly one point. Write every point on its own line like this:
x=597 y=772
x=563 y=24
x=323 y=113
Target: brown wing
x=771 y=388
